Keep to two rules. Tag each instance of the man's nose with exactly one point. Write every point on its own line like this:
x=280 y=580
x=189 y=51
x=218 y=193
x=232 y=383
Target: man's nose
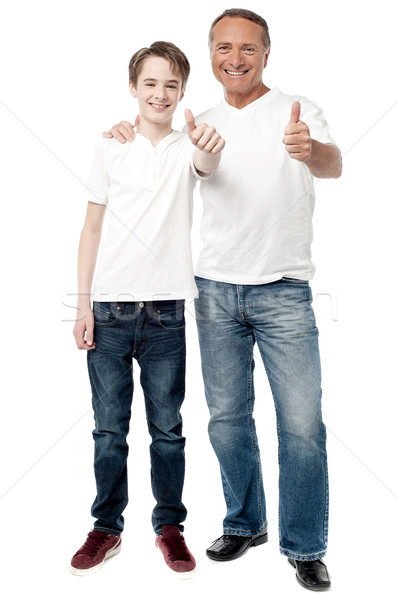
x=236 y=58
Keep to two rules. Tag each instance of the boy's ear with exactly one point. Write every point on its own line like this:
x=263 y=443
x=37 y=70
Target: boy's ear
x=132 y=89
x=182 y=94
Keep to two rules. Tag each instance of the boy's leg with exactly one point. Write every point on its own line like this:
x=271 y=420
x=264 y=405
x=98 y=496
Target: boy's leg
x=110 y=371
x=162 y=362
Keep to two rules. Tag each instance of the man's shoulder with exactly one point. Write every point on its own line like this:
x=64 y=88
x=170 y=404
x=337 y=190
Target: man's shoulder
x=209 y=113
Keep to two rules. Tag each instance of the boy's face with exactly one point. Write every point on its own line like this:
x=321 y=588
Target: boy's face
x=158 y=90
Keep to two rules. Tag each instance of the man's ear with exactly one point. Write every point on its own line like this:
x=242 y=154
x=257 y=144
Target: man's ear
x=266 y=58
x=132 y=89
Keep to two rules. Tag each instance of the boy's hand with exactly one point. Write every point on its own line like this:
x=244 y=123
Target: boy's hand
x=123 y=132
x=297 y=140
x=203 y=137
x=84 y=324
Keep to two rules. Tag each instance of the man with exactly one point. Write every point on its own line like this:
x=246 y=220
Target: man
x=252 y=277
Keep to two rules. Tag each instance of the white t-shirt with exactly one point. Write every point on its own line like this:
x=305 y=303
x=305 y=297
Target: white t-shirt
x=258 y=206
x=145 y=252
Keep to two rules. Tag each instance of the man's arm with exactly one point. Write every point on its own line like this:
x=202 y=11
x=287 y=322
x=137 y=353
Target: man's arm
x=88 y=249
x=208 y=142
x=323 y=160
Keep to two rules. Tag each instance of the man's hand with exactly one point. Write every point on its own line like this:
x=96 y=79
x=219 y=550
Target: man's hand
x=84 y=324
x=205 y=138
x=123 y=132
x=297 y=140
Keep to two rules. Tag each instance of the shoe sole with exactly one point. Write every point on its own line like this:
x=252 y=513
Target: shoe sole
x=312 y=589
x=85 y=572
x=262 y=539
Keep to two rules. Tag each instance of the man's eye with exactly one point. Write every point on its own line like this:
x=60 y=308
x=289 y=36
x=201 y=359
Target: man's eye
x=249 y=50
x=223 y=48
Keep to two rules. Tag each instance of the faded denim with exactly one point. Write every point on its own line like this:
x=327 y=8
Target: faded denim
x=279 y=318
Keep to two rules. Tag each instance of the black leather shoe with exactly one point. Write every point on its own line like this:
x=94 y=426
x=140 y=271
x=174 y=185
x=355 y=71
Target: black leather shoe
x=229 y=547
x=312 y=575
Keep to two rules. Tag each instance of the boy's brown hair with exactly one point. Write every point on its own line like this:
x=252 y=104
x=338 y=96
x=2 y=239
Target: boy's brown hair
x=166 y=50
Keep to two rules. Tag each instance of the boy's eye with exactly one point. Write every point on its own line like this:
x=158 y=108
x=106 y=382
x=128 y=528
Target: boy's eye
x=172 y=86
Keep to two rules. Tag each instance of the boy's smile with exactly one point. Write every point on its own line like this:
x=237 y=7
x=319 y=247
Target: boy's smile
x=158 y=91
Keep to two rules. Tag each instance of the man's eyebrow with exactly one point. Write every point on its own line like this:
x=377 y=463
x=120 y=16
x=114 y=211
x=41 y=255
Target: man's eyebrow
x=243 y=44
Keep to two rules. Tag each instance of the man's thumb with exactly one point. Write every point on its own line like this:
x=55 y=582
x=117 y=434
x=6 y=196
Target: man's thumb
x=295 y=112
x=190 y=121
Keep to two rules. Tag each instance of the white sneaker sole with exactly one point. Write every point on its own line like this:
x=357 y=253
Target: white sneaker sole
x=84 y=572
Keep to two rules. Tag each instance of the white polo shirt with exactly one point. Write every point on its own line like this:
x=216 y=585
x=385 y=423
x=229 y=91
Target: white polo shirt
x=145 y=252
x=258 y=206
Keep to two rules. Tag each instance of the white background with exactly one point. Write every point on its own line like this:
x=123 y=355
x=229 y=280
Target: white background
x=64 y=80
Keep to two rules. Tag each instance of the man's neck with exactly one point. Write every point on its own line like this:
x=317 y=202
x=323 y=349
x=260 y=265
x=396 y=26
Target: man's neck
x=154 y=132
x=242 y=99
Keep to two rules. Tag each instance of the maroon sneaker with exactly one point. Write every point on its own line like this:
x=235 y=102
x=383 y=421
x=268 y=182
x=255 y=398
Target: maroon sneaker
x=175 y=552
x=97 y=548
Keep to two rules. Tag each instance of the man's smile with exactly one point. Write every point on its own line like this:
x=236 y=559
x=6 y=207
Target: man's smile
x=235 y=73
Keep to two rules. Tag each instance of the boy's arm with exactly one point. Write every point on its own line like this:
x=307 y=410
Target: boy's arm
x=209 y=144
x=88 y=248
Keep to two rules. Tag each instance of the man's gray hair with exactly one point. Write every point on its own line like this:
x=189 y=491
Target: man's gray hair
x=244 y=14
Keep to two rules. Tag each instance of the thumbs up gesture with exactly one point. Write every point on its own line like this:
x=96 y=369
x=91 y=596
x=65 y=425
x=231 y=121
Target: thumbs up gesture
x=203 y=137
x=297 y=140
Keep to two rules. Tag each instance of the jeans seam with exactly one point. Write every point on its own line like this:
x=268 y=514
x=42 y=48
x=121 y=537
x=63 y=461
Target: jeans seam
x=256 y=449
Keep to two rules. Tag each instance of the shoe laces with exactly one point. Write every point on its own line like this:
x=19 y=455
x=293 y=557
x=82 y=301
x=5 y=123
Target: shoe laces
x=177 y=549
x=94 y=541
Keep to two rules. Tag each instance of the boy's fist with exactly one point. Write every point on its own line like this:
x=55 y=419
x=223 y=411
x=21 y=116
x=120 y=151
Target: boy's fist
x=203 y=137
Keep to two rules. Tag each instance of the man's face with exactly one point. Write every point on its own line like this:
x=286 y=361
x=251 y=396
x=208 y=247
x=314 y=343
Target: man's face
x=238 y=55
x=158 y=90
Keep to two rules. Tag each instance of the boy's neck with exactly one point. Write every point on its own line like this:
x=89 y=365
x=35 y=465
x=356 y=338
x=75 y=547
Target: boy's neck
x=154 y=132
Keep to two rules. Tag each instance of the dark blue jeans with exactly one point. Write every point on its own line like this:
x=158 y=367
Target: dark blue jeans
x=154 y=334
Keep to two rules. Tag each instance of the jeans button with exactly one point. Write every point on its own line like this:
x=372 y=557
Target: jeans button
x=141 y=304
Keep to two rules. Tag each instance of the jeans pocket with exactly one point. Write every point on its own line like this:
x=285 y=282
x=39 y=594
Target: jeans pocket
x=104 y=315
x=170 y=314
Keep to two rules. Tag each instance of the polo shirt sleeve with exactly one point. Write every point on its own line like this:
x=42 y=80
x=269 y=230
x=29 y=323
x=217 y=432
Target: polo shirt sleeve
x=313 y=116
x=98 y=180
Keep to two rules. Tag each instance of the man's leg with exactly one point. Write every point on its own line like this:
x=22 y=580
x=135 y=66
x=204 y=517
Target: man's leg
x=226 y=344
x=287 y=337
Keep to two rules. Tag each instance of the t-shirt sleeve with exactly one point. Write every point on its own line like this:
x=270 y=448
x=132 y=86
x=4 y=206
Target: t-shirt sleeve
x=313 y=116
x=98 y=180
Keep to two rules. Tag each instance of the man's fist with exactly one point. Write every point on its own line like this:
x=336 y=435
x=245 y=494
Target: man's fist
x=297 y=140
x=203 y=137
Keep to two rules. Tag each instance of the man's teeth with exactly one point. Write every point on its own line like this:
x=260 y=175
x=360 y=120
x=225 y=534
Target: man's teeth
x=236 y=73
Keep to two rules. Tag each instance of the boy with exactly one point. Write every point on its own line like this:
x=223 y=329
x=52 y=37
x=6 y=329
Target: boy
x=143 y=277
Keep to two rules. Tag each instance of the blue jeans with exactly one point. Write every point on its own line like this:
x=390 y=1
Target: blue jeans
x=154 y=334
x=278 y=317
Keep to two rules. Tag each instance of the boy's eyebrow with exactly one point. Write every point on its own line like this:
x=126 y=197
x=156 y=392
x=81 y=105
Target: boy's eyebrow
x=168 y=81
